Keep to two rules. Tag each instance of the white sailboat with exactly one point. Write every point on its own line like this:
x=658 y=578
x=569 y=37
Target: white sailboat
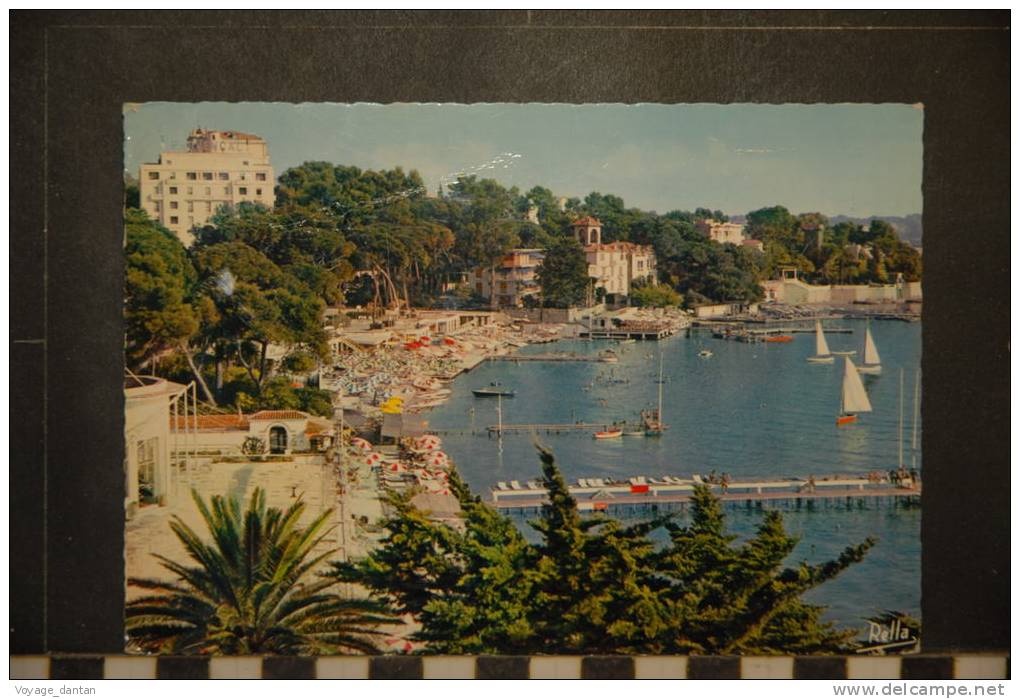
x=872 y=362
x=822 y=353
x=854 y=397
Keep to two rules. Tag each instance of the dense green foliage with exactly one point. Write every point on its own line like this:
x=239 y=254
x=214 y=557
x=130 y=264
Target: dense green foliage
x=596 y=586
x=250 y=589
x=649 y=295
x=563 y=274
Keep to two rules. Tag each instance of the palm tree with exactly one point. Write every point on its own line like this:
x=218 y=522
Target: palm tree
x=253 y=589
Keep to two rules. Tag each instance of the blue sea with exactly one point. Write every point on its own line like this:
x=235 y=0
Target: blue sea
x=750 y=410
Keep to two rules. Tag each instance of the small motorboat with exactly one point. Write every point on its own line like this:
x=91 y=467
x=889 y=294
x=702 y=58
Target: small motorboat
x=492 y=390
x=779 y=338
x=705 y=353
x=608 y=434
x=634 y=433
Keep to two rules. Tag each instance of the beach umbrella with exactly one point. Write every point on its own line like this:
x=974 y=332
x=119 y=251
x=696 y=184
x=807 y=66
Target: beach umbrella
x=373 y=458
x=360 y=443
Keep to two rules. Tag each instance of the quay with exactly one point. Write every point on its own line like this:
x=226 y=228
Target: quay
x=639 y=493
x=656 y=332
x=551 y=428
x=553 y=357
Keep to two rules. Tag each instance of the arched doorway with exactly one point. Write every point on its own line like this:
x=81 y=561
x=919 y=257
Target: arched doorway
x=277 y=440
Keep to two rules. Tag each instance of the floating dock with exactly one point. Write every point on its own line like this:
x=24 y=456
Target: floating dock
x=640 y=493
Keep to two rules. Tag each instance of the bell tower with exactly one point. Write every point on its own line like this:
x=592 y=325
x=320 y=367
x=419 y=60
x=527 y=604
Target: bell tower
x=588 y=231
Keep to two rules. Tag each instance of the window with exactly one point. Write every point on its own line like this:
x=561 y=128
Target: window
x=244 y=176
x=192 y=176
x=156 y=205
x=260 y=176
x=206 y=175
x=242 y=190
x=173 y=205
x=478 y=287
x=226 y=191
x=173 y=220
x=224 y=176
x=173 y=190
x=208 y=206
x=153 y=175
x=258 y=192
x=191 y=206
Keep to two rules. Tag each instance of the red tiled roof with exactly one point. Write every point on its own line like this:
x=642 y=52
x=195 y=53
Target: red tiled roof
x=587 y=221
x=618 y=246
x=279 y=415
x=238 y=135
x=212 y=422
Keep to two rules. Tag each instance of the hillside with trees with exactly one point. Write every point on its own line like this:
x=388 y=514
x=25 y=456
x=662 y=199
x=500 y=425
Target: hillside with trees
x=338 y=235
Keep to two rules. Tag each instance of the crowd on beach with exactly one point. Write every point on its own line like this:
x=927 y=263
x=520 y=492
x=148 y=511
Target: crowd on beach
x=408 y=375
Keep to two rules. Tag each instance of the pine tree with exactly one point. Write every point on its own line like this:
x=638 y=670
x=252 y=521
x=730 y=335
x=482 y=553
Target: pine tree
x=593 y=585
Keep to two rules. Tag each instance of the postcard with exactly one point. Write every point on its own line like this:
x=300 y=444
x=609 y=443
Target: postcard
x=483 y=379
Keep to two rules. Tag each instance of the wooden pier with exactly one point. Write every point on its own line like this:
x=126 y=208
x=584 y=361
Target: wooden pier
x=554 y=357
x=629 y=333
x=788 y=493
x=553 y=428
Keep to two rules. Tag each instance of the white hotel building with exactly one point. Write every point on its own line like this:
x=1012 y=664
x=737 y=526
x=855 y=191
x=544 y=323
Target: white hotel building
x=185 y=188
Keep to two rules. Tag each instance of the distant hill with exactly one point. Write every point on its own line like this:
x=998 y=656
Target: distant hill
x=908 y=227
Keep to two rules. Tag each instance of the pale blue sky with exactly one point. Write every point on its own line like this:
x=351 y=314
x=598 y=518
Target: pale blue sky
x=857 y=160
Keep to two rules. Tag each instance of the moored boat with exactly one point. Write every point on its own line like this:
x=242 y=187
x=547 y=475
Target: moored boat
x=493 y=390
x=608 y=434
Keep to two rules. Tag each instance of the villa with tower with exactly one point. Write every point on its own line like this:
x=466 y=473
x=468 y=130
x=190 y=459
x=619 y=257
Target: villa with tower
x=613 y=266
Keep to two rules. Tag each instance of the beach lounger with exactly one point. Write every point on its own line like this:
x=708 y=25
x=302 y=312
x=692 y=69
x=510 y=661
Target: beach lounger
x=516 y=485
x=501 y=486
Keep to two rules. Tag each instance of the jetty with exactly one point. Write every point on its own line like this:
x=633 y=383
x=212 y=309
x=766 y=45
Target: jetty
x=553 y=428
x=645 y=332
x=638 y=492
x=554 y=357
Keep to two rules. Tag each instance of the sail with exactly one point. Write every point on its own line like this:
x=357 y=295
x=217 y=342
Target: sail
x=855 y=398
x=821 y=346
x=870 y=351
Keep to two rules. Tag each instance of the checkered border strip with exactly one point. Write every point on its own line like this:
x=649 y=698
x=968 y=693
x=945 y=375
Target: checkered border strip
x=907 y=667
